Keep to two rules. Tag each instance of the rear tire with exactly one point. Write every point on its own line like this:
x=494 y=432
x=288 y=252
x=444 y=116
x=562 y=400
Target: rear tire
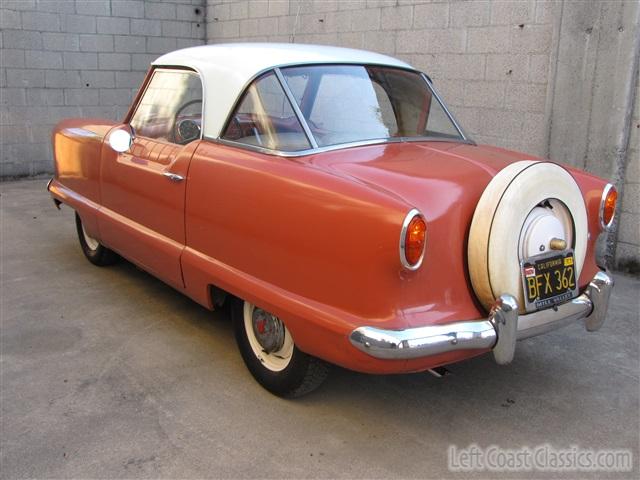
x=95 y=252
x=284 y=370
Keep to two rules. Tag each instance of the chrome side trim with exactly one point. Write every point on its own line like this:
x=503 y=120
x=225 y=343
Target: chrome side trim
x=499 y=331
x=403 y=236
x=296 y=108
x=330 y=148
x=605 y=192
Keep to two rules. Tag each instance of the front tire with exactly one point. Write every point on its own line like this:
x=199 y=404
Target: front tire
x=95 y=252
x=270 y=354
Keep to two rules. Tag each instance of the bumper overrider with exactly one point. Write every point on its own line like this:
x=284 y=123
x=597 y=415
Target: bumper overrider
x=499 y=331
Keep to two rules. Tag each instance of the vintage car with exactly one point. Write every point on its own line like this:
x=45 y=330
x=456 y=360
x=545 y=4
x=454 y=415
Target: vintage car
x=331 y=200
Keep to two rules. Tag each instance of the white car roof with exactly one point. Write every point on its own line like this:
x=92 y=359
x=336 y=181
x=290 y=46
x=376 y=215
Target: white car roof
x=226 y=69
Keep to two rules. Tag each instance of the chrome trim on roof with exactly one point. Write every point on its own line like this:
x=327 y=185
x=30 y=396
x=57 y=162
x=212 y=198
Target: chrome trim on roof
x=296 y=108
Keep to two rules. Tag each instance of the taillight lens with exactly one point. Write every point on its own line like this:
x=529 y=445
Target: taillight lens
x=413 y=240
x=608 y=205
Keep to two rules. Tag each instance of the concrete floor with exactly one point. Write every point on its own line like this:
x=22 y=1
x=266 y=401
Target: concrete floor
x=107 y=372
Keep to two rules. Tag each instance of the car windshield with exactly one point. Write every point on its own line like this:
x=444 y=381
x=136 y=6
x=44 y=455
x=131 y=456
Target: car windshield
x=351 y=103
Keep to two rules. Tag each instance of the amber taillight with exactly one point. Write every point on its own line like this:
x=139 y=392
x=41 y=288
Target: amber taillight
x=608 y=205
x=412 y=240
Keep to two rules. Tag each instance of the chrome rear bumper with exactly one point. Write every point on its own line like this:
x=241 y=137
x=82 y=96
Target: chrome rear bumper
x=499 y=331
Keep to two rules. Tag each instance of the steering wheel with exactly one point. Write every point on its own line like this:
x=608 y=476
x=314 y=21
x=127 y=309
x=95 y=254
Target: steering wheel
x=178 y=135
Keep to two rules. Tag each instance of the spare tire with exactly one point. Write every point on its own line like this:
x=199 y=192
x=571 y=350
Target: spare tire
x=524 y=205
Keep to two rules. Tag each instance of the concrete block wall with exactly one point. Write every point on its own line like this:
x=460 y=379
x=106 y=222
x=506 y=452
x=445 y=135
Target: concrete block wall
x=87 y=58
x=489 y=59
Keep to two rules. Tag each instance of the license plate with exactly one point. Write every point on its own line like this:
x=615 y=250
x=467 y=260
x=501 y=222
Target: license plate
x=548 y=280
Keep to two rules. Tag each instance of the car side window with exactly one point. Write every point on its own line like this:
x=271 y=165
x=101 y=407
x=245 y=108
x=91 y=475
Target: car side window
x=264 y=118
x=170 y=109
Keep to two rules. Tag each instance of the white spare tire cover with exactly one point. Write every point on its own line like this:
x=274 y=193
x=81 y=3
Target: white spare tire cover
x=494 y=252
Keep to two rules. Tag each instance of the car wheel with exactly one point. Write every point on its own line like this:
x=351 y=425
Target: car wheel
x=95 y=252
x=522 y=209
x=270 y=354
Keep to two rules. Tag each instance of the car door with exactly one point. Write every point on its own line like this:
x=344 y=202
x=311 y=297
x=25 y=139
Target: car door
x=143 y=188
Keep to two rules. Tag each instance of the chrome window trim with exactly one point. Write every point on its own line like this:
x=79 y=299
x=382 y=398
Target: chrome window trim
x=167 y=68
x=330 y=148
x=403 y=235
x=603 y=197
x=296 y=108
x=446 y=110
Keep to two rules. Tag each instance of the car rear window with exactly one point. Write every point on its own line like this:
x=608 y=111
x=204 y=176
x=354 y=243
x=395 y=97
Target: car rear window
x=265 y=118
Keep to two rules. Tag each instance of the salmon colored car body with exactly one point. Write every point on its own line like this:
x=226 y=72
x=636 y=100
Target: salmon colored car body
x=331 y=197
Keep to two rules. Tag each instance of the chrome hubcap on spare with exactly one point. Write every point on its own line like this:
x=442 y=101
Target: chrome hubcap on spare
x=548 y=226
x=268 y=330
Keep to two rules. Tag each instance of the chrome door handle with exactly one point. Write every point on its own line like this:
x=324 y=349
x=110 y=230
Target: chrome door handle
x=173 y=176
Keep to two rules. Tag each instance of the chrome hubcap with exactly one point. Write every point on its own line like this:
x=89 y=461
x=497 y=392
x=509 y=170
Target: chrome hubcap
x=268 y=330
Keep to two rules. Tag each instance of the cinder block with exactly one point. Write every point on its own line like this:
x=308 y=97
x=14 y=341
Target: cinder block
x=160 y=11
x=192 y=42
x=278 y=7
x=146 y=27
x=626 y=252
x=93 y=7
x=115 y=96
x=10 y=19
x=188 y=12
x=141 y=61
x=80 y=61
x=13 y=96
x=363 y=20
x=381 y=42
x=238 y=10
x=529 y=97
x=531 y=39
x=78 y=24
x=21 y=39
x=508 y=12
x=127 y=8
x=350 y=39
x=96 y=43
x=130 y=44
x=219 y=13
x=259 y=9
x=266 y=26
x=113 y=25
x=40 y=21
x=351 y=5
x=114 y=61
x=42 y=59
x=396 y=18
x=231 y=28
x=248 y=27
x=62 y=42
x=434 y=15
x=176 y=29
x=45 y=96
x=81 y=96
x=431 y=41
x=129 y=79
x=55 y=6
x=484 y=94
x=63 y=79
x=335 y=21
x=487 y=39
x=98 y=79
x=160 y=44
x=10 y=58
x=461 y=66
x=28 y=78
x=19 y=4
x=507 y=67
x=470 y=14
